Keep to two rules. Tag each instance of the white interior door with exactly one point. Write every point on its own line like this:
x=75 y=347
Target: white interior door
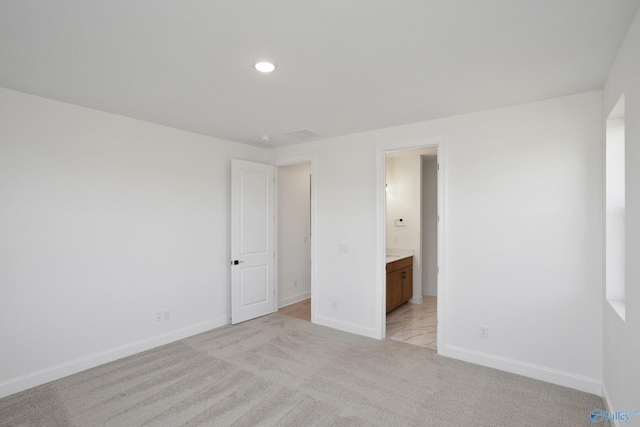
x=252 y=240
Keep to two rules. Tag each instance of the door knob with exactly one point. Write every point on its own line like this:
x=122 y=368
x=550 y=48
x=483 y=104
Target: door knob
x=236 y=262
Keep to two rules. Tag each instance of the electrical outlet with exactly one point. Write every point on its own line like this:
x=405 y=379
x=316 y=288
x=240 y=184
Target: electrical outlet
x=335 y=304
x=165 y=315
x=159 y=316
x=484 y=332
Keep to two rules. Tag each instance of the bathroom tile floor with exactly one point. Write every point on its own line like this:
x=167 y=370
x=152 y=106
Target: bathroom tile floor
x=414 y=323
x=411 y=323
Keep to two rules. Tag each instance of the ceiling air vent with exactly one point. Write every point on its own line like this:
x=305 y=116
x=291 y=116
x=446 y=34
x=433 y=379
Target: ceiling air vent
x=302 y=133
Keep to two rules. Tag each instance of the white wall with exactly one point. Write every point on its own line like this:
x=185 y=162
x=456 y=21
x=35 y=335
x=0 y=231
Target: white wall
x=523 y=240
x=403 y=200
x=105 y=220
x=294 y=232
x=429 y=225
x=622 y=339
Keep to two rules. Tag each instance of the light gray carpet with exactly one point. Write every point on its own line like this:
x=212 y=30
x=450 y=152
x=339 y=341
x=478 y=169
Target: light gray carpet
x=282 y=371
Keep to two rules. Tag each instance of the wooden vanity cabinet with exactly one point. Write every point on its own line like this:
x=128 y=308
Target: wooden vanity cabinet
x=399 y=282
x=390 y=287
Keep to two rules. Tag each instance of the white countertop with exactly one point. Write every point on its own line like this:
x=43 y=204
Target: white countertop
x=395 y=254
x=394 y=258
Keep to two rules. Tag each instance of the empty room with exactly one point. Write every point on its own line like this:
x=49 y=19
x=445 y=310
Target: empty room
x=149 y=154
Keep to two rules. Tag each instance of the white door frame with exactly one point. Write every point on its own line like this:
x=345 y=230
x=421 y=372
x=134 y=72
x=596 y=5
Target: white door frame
x=381 y=289
x=296 y=161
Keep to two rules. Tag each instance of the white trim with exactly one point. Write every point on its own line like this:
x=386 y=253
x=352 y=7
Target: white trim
x=443 y=256
x=608 y=406
x=294 y=299
x=276 y=247
x=380 y=297
x=618 y=307
x=416 y=300
x=381 y=243
x=314 y=240
x=340 y=325
x=71 y=367
x=293 y=161
x=430 y=291
x=554 y=376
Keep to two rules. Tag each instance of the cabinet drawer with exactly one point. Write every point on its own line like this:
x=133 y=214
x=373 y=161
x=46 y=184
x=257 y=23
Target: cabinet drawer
x=402 y=263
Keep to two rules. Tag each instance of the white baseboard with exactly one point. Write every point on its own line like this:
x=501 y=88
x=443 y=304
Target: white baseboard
x=608 y=405
x=430 y=292
x=71 y=367
x=340 y=325
x=554 y=376
x=294 y=299
x=416 y=300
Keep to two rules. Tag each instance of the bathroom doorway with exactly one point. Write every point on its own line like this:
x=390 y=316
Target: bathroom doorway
x=411 y=206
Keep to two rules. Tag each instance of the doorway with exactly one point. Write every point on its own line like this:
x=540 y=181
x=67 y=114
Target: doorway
x=294 y=240
x=411 y=236
x=384 y=240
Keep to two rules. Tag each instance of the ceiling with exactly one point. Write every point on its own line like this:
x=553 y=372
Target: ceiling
x=342 y=66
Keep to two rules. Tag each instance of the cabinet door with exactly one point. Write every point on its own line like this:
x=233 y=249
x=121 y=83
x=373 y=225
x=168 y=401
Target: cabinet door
x=390 y=291
x=397 y=290
x=406 y=284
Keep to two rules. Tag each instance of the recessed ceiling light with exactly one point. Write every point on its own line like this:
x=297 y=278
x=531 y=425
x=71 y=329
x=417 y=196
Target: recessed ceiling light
x=265 y=67
x=265 y=138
